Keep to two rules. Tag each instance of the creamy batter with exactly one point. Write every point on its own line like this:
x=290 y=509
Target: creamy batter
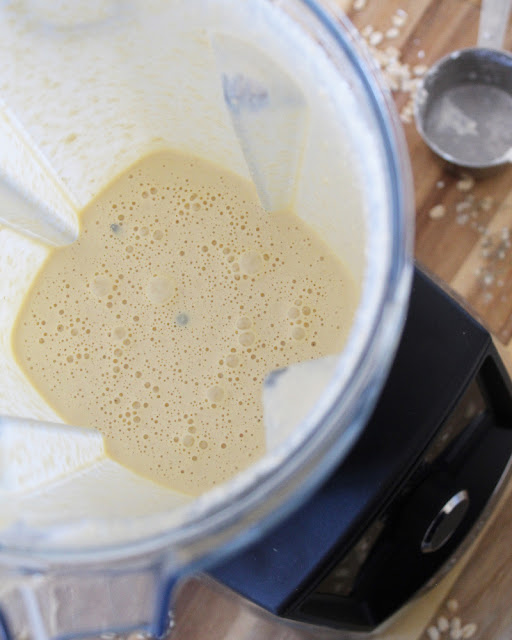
x=160 y=323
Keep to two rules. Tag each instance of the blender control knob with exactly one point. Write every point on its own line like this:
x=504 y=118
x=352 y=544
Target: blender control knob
x=446 y=522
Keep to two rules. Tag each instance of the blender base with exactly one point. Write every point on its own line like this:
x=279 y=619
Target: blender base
x=412 y=493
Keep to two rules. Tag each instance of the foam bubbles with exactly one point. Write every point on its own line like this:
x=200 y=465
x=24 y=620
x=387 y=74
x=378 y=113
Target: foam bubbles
x=195 y=294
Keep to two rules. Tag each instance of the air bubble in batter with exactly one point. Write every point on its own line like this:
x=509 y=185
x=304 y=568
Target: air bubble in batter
x=161 y=289
x=215 y=394
x=244 y=323
x=119 y=333
x=246 y=338
x=232 y=360
x=251 y=263
x=100 y=286
x=298 y=333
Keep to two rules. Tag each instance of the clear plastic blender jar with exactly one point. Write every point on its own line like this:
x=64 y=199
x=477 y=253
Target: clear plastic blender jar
x=280 y=93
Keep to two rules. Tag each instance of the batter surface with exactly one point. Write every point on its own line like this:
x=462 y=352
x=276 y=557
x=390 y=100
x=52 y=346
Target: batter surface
x=160 y=323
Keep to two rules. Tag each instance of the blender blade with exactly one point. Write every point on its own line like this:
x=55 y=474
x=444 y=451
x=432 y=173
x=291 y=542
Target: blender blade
x=269 y=115
x=289 y=394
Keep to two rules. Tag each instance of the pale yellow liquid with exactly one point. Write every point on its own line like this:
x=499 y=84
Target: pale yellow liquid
x=160 y=323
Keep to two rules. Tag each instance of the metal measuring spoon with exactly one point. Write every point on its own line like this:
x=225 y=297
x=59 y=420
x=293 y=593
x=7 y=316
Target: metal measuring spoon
x=463 y=107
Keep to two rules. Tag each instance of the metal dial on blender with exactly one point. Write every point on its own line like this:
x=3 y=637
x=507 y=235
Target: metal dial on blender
x=446 y=522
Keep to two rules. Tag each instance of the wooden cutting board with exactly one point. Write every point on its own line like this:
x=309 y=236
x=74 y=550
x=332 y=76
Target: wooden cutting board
x=462 y=233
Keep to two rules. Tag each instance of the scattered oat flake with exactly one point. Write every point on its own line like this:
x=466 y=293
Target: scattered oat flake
x=433 y=633
x=392 y=52
x=486 y=203
x=398 y=75
x=359 y=5
x=466 y=183
x=408 y=108
x=391 y=33
x=400 y=18
x=456 y=623
x=376 y=38
x=437 y=212
x=443 y=624
x=462 y=206
x=406 y=114
x=421 y=54
x=452 y=605
x=420 y=69
x=440 y=184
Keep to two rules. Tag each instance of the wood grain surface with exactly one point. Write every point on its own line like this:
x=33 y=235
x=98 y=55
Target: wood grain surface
x=468 y=247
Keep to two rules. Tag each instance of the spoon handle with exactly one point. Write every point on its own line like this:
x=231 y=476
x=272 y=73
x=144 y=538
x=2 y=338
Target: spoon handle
x=493 y=23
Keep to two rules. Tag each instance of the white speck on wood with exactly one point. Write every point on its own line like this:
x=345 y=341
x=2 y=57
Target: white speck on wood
x=391 y=33
x=437 y=212
x=376 y=38
x=433 y=633
x=486 y=203
x=452 y=605
x=466 y=183
x=443 y=624
x=469 y=630
x=400 y=18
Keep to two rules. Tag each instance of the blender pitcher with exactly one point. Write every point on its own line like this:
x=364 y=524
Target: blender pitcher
x=277 y=92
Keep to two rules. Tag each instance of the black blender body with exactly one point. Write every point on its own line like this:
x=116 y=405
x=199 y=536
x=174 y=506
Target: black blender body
x=409 y=495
